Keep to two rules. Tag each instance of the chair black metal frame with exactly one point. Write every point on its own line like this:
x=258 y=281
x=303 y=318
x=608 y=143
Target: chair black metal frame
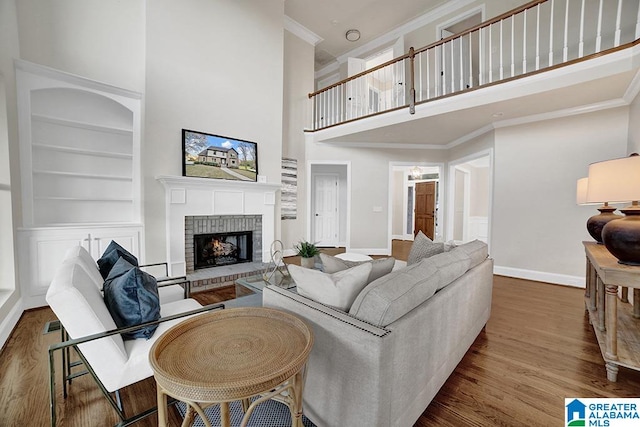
x=67 y=344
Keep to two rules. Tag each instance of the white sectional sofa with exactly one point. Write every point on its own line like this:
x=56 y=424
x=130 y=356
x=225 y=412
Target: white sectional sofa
x=382 y=363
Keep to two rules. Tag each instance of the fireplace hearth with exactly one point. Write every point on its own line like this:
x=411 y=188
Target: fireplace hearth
x=218 y=249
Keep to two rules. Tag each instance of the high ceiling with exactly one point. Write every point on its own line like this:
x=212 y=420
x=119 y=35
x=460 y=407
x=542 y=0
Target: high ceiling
x=330 y=19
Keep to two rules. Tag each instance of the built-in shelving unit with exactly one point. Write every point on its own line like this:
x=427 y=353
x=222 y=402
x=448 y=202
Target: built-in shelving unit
x=80 y=169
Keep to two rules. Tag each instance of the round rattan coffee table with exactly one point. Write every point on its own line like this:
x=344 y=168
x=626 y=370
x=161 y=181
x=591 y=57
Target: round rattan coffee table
x=232 y=354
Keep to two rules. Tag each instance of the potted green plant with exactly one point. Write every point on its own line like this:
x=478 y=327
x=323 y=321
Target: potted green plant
x=307 y=251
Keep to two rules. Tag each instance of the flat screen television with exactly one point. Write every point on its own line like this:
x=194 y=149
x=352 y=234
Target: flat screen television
x=219 y=157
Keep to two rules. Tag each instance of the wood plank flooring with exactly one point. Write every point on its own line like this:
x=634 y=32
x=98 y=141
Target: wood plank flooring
x=537 y=349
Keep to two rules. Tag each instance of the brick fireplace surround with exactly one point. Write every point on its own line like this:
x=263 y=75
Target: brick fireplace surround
x=217 y=204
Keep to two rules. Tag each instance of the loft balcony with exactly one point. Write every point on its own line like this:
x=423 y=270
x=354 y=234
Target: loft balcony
x=546 y=58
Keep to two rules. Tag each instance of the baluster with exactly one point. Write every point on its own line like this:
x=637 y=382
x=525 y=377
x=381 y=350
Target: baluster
x=616 y=41
x=513 y=46
x=462 y=87
x=565 y=48
x=343 y=102
x=551 y=33
x=480 y=57
x=524 y=42
x=443 y=70
x=334 y=106
x=599 y=29
x=470 y=59
x=330 y=107
x=581 y=42
x=501 y=48
x=453 y=68
x=638 y=24
x=538 y=37
x=490 y=52
x=427 y=54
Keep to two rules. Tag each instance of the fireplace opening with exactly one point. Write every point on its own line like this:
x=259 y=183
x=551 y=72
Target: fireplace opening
x=213 y=250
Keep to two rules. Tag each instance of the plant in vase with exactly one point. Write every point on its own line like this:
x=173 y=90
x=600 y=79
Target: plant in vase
x=307 y=251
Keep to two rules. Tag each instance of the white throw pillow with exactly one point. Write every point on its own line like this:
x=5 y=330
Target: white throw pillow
x=338 y=290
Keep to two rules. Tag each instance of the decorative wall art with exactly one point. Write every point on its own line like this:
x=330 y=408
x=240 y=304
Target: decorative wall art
x=220 y=157
x=289 y=192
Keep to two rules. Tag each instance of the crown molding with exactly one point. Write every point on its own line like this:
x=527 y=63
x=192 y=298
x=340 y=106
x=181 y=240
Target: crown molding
x=296 y=28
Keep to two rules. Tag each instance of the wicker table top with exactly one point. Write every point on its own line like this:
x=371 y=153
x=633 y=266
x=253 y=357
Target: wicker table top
x=230 y=354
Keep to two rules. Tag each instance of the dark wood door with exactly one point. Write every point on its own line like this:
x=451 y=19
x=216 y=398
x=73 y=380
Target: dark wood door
x=425 y=212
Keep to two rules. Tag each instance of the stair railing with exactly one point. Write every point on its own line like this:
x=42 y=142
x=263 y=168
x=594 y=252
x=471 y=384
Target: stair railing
x=538 y=36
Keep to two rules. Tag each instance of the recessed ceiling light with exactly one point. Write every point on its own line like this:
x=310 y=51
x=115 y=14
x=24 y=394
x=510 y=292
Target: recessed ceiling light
x=334 y=22
x=353 y=35
x=497 y=115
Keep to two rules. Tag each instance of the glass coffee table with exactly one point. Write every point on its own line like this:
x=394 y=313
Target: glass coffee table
x=257 y=282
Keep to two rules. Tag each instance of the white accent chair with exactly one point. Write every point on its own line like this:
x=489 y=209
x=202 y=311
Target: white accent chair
x=114 y=363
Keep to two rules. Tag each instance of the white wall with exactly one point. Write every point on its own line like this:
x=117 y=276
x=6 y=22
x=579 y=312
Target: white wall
x=370 y=187
x=215 y=66
x=96 y=39
x=10 y=306
x=398 y=189
x=634 y=127
x=298 y=83
x=537 y=228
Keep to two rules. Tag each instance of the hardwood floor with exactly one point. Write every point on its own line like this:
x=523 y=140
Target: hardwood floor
x=537 y=349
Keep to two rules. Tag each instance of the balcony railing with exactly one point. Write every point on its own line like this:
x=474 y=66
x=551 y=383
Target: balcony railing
x=537 y=36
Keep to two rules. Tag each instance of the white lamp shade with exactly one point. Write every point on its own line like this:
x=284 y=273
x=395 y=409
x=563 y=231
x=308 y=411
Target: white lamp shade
x=581 y=191
x=614 y=181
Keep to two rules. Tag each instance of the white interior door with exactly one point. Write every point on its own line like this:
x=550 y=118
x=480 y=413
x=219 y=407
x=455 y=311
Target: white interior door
x=326 y=215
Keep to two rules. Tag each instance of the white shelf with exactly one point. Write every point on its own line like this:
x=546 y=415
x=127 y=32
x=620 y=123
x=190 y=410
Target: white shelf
x=82 y=175
x=81 y=125
x=85 y=199
x=70 y=150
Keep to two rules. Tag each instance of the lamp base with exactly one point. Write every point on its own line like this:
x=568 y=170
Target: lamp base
x=596 y=223
x=622 y=236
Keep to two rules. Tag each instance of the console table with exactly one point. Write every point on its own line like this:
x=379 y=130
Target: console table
x=616 y=325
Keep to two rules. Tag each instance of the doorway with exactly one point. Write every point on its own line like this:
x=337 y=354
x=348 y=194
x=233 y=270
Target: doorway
x=470 y=198
x=329 y=204
x=403 y=198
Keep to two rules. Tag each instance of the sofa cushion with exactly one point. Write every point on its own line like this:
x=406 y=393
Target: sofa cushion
x=423 y=247
x=392 y=296
x=111 y=255
x=477 y=251
x=337 y=290
x=379 y=267
x=451 y=265
x=131 y=295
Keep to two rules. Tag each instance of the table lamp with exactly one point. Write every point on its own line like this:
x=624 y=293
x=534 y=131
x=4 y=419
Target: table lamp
x=596 y=222
x=618 y=180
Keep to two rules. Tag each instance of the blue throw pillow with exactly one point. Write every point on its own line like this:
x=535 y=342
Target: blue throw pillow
x=111 y=255
x=131 y=296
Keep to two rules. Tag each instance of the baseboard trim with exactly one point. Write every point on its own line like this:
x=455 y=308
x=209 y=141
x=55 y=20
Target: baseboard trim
x=540 y=276
x=10 y=322
x=371 y=251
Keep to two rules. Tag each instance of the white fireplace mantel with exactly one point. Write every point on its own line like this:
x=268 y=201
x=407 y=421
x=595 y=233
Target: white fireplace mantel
x=186 y=196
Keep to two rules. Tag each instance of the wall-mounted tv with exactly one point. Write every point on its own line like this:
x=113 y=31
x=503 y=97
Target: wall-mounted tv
x=219 y=157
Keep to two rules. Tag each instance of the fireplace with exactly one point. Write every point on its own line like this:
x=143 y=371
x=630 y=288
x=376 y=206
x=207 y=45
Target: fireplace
x=231 y=231
x=217 y=249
